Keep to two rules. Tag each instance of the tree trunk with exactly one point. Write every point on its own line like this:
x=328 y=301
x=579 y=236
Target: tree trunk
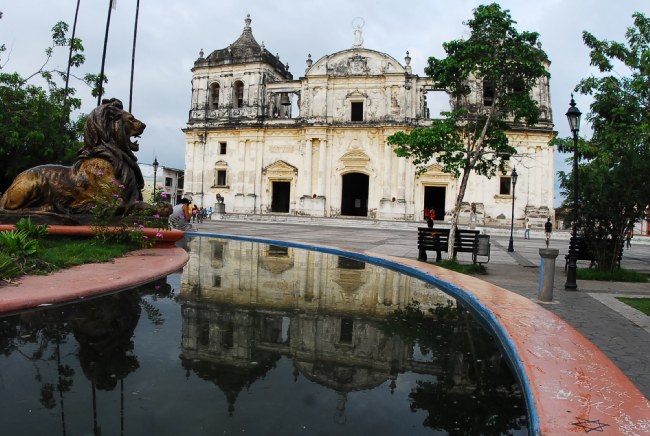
x=456 y=214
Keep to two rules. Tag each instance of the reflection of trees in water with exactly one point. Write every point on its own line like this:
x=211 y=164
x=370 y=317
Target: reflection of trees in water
x=102 y=327
x=476 y=392
x=38 y=336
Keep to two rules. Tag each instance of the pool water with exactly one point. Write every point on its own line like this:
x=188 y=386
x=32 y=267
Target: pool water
x=258 y=339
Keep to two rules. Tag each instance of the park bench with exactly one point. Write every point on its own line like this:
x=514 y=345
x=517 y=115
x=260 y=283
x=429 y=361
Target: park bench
x=437 y=239
x=583 y=253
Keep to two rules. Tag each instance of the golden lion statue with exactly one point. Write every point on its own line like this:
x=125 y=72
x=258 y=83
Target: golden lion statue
x=106 y=159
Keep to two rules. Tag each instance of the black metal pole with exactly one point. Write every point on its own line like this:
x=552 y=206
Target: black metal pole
x=153 y=201
x=572 y=268
x=101 y=73
x=511 y=246
x=67 y=74
x=135 y=36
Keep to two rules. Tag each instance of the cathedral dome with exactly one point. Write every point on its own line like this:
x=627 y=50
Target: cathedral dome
x=244 y=50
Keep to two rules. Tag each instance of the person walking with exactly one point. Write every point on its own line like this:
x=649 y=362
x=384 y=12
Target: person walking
x=527 y=226
x=548 y=228
x=628 y=239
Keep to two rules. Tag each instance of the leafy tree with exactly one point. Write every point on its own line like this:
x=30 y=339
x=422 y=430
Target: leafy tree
x=614 y=192
x=35 y=124
x=473 y=137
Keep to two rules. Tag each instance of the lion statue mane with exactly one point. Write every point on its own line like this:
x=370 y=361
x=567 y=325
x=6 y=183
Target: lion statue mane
x=106 y=158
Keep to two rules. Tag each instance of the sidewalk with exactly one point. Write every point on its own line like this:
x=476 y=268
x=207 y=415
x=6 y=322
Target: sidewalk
x=622 y=333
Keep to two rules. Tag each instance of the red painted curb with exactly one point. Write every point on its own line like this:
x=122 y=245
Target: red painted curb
x=161 y=236
x=90 y=280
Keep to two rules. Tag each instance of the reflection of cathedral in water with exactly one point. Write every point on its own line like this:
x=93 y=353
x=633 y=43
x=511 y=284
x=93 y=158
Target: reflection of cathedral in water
x=244 y=305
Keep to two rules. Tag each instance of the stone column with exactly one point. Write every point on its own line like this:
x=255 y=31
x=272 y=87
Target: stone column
x=318 y=275
x=303 y=280
x=251 y=165
x=401 y=179
x=395 y=300
x=258 y=174
x=252 y=169
x=241 y=171
x=307 y=166
x=381 y=286
x=322 y=162
x=547 y=273
x=388 y=170
x=540 y=160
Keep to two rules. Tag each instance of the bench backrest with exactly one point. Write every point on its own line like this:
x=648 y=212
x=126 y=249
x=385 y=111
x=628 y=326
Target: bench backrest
x=429 y=236
x=466 y=240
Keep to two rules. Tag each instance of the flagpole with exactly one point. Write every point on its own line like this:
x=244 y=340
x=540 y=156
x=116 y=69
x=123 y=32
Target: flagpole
x=101 y=74
x=67 y=75
x=135 y=35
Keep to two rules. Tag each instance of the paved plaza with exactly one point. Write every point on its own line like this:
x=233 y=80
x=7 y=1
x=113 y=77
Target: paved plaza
x=621 y=332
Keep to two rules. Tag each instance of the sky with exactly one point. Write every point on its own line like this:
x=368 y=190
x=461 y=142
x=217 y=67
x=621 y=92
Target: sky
x=172 y=33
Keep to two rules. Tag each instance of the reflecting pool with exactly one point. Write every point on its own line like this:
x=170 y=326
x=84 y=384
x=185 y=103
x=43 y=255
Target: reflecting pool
x=258 y=339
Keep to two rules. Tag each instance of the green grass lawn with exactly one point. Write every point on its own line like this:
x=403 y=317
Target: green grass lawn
x=464 y=268
x=618 y=275
x=63 y=252
x=66 y=252
x=642 y=304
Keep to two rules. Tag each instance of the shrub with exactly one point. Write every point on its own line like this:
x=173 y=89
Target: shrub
x=18 y=243
x=8 y=267
x=110 y=222
x=33 y=231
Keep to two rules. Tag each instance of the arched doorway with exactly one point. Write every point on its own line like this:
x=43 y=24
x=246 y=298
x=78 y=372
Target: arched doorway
x=354 y=194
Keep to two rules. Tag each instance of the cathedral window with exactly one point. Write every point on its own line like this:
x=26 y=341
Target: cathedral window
x=488 y=93
x=220 y=174
x=504 y=185
x=227 y=335
x=222 y=148
x=238 y=94
x=356 y=111
x=221 y=178
x=517 y=86
x=347 y=330
x=217 y=251
x=214 y=96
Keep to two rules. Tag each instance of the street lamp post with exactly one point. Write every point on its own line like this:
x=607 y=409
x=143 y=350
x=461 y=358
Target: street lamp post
x=155 y=170
x=573 y=115
x=513 y=177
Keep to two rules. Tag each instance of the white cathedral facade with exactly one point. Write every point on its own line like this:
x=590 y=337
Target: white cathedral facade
x=267 y=143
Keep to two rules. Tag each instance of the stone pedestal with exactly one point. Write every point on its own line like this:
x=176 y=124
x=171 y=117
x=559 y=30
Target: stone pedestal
x=219 y=211
x=547 y=273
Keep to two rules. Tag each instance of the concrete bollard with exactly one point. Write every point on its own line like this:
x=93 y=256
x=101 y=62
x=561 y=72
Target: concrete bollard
x=547 y=273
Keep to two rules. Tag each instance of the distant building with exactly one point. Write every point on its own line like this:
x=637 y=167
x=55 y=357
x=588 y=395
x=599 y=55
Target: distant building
x=168 y=180
x=317 y=145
